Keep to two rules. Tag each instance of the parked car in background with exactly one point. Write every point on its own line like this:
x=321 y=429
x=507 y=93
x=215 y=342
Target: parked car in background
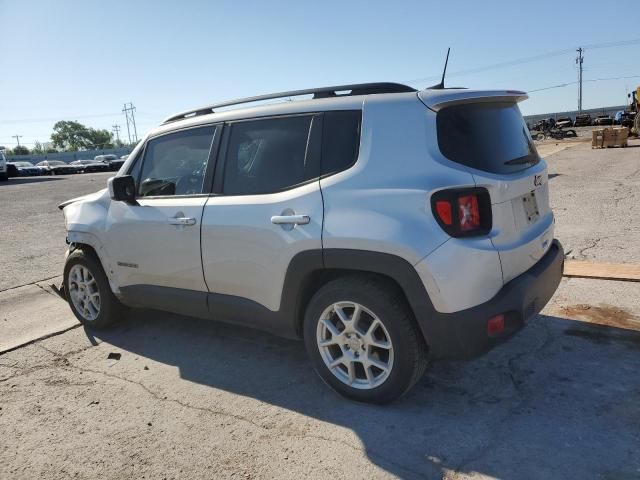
x=114 y=162
x=3 y=168
x=88 y=166
x=56 y=167
x=564 y=122
x=22 y=169
x=582 y=120
x=603 y=120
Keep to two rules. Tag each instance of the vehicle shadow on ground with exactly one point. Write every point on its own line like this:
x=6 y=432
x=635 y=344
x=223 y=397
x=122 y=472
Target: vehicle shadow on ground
x=560 y=400
x=25 y=180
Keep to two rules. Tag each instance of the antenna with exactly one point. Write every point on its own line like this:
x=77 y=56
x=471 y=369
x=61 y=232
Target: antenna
x=440 y=85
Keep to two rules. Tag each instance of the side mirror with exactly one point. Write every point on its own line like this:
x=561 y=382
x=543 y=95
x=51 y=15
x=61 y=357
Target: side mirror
x=122 y=189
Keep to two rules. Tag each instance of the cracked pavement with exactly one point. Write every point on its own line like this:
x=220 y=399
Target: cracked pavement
x=194 y=399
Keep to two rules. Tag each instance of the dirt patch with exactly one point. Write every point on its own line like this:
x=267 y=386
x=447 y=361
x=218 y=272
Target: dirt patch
x=602 y=315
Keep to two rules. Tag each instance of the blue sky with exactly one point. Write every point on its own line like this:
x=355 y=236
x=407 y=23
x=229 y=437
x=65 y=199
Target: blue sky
x=82 y=60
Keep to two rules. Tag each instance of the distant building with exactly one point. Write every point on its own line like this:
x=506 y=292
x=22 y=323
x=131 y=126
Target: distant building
x=594 y=112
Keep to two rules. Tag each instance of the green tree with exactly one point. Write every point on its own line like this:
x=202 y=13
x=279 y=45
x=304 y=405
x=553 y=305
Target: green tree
x=73 y=136
x=38 y=148
x=20 y=150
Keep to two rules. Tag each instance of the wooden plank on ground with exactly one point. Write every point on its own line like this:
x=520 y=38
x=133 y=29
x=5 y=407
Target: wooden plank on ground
x=606 y=271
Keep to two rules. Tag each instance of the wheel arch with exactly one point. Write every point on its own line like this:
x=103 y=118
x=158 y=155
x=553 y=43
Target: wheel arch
x=85 y=240
x=304 y=278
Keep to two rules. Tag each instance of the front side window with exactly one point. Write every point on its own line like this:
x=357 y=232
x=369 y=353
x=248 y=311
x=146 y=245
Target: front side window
x=175 y=164
x=267 y=156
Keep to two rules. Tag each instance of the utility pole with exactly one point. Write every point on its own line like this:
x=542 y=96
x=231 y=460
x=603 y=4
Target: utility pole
x=116 y=129
x=579 y=60
x=17 y=137
x=128 y=110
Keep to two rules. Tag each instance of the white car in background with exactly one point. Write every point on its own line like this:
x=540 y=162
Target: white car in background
x=3 y=168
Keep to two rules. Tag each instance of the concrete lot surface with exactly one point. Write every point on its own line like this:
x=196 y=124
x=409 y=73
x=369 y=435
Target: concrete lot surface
x=33 y=229
x=185 y=398
x=191 y=399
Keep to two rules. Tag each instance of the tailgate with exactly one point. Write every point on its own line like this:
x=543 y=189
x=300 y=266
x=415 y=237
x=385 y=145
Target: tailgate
x=485 y=132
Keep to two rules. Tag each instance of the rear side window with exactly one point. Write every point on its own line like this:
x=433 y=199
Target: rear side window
x=175 y=164
x=340 y=140
x=268 y=155
x=492 y=137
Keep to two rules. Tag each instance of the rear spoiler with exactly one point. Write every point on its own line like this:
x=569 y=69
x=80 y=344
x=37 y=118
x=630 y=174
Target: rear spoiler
x=437 y=99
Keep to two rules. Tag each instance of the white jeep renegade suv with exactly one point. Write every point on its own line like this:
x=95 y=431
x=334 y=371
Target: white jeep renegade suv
x=383 y=225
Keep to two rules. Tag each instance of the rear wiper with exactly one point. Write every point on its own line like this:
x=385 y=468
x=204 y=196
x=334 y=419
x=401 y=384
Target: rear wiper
x=520 y=160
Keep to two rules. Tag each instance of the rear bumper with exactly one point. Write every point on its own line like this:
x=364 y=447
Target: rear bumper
x=464 y=334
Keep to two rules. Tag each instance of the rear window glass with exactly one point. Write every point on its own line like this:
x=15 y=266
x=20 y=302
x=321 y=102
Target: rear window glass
x=340 y=140
x=492 y=137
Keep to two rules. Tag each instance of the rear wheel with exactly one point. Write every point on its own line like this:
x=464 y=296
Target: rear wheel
x=88 y=291
x=363 y=340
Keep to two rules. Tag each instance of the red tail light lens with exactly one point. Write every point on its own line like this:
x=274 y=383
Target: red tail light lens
x=495 y=325
x=463 y=212
x=443 y=208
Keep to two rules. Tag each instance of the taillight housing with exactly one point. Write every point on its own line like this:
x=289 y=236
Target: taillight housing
x=463 y=212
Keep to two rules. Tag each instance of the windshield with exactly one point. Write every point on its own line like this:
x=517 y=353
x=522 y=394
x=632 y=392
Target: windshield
x=492 y=137
x=23 y=164
x=55 y=163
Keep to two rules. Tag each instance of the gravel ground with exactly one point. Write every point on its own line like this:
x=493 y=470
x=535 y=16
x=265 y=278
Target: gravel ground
x=194 y=399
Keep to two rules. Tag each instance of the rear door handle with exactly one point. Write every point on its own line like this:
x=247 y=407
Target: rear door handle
x=182 y=221
x=290 y=219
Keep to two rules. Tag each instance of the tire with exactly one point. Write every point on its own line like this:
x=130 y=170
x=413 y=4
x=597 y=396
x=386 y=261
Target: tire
x=399 y=345
x=540 y=136
x=109 y=309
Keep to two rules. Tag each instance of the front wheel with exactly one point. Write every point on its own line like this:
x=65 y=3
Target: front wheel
x=88 y=292
x=363 y=340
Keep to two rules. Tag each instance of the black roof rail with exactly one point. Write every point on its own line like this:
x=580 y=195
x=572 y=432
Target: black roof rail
x=324 y=92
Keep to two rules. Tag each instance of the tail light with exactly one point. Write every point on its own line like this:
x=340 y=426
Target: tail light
x=463 y=212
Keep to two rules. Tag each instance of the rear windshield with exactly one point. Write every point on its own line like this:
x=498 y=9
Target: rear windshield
x=492 y=137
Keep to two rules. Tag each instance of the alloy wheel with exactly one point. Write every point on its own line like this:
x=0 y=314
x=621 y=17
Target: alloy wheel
x=355 y=345
x=83 y=292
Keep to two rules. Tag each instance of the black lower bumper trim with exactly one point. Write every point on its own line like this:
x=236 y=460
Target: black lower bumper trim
x=464 y=334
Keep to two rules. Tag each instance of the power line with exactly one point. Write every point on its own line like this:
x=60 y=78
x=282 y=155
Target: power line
x=116 y=129
x=561 y=85
x=51 y=119
x=17 y=137
x=529 y=59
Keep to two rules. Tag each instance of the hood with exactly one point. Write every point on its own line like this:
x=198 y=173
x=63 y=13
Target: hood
x=88 y=197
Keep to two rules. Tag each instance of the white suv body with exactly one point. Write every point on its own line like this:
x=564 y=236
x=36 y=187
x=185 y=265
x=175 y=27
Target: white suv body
x=269 y=216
